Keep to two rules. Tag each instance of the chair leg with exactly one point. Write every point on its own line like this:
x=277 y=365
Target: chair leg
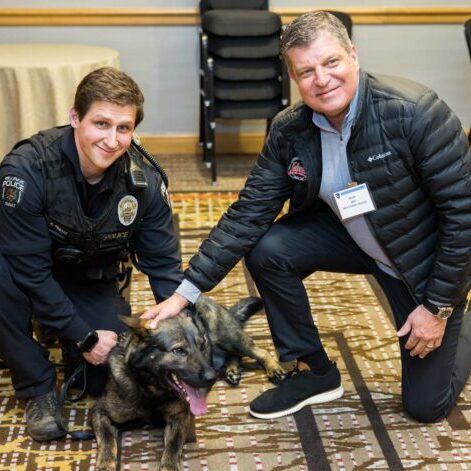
x=203 y=56
x=209 y=125
x=211 y=121
x=212 y=158
x=211 y=142
x=201 y=122
x=285 y=86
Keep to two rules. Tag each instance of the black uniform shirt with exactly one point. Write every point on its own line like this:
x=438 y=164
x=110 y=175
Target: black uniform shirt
x=26 y=245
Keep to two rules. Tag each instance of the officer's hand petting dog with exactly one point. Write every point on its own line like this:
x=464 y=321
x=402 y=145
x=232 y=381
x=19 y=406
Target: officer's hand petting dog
x=425 y=332
x=99 y=354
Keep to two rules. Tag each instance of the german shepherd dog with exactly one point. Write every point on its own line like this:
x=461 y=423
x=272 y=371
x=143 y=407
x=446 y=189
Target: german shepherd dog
x=165 y=373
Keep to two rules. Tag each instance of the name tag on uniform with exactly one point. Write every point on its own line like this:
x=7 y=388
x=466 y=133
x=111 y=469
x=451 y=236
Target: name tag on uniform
x=354 y=201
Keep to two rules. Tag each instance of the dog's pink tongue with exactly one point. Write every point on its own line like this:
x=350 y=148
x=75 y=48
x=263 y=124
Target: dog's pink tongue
x=197 y=397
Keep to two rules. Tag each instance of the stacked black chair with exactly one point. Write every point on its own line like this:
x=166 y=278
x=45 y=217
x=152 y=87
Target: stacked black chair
x=242 y=75
x=467 y=33
x=346 y=19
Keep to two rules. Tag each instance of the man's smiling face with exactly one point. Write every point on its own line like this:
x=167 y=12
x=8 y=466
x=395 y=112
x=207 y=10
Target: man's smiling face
x=102 y=136
x=326 y=75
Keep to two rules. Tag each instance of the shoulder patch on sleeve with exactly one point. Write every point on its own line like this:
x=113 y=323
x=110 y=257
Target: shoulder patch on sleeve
x=13 y=190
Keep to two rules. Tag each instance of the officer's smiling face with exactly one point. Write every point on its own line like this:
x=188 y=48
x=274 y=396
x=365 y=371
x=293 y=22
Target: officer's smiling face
x=102 y=136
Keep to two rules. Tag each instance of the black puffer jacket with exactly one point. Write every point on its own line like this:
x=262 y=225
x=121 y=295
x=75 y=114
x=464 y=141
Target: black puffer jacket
x=411 y=150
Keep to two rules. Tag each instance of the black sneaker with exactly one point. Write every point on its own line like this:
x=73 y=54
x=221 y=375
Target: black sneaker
x=40 y=415
x=300 y=388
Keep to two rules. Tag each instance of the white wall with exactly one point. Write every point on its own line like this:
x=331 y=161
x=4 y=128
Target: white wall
x=164 y=59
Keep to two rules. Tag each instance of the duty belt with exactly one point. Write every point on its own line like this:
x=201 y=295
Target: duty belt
x=79 y=272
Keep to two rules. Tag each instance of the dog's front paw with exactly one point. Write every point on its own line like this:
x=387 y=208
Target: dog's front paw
x=233 y=376
x=276 y=374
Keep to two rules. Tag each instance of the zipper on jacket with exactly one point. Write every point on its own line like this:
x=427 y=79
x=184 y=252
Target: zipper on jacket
x=353 y=135
x=368 y=222
x=373 y=233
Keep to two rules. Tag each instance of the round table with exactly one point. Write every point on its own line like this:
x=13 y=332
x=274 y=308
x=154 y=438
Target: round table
x=38 y=82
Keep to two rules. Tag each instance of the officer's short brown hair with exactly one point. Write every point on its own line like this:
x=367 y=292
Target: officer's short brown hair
x=108 y=84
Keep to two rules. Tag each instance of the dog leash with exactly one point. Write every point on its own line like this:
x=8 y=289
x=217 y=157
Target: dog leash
x=65 y=395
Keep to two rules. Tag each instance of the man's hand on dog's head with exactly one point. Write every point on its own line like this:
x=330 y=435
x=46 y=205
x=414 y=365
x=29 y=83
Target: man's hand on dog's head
x=106 y=341
x=168 y=308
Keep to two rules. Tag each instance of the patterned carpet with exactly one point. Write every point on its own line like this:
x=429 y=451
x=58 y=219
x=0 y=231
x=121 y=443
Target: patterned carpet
x=365 y=429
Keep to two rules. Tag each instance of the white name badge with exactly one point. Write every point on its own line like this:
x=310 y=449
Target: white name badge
x=354 y=201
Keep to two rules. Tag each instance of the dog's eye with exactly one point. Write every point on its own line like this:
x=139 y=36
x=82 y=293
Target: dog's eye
x=179 y=352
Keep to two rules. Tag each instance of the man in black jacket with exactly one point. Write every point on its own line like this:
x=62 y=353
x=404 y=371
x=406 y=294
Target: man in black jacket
x=75 y=201
x=378 y=174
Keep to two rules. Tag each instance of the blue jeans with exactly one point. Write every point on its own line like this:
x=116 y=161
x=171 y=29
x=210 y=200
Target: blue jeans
x=296 y=247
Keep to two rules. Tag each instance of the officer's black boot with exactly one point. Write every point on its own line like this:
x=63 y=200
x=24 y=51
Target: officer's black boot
x=43 y=418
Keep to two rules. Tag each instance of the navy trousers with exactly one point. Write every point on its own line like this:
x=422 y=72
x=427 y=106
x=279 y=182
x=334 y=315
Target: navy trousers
x=33 y=374
x=316 y=240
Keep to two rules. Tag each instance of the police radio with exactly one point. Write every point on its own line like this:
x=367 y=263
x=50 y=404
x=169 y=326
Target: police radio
x=136 y=145
x=136 y=177
x=137 y=180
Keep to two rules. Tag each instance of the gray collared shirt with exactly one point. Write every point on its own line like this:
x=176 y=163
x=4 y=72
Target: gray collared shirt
x=336 y=176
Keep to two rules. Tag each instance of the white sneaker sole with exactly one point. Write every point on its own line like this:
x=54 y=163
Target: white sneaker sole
x=317 y=399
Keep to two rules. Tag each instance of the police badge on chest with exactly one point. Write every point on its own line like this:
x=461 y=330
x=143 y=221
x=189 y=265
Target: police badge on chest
x=127 y=210
x=13 y=189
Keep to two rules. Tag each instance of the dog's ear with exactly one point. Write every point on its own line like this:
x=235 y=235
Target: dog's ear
x=138 y=325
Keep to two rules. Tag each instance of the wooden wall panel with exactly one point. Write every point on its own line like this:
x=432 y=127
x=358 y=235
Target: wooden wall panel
x=164 y=17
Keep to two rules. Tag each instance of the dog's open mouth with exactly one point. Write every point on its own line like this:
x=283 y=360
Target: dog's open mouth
x=194 y=396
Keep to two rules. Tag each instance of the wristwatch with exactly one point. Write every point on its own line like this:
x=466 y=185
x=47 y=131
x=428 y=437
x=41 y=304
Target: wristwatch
x=440 y=312
x=89 y=342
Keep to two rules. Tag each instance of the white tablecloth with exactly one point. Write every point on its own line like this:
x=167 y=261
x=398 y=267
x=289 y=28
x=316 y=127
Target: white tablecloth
x=38 y=82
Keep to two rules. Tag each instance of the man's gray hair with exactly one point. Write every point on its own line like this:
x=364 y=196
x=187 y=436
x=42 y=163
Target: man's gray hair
x=306 y=28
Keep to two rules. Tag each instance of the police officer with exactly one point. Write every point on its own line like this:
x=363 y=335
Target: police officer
x=76 y=200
